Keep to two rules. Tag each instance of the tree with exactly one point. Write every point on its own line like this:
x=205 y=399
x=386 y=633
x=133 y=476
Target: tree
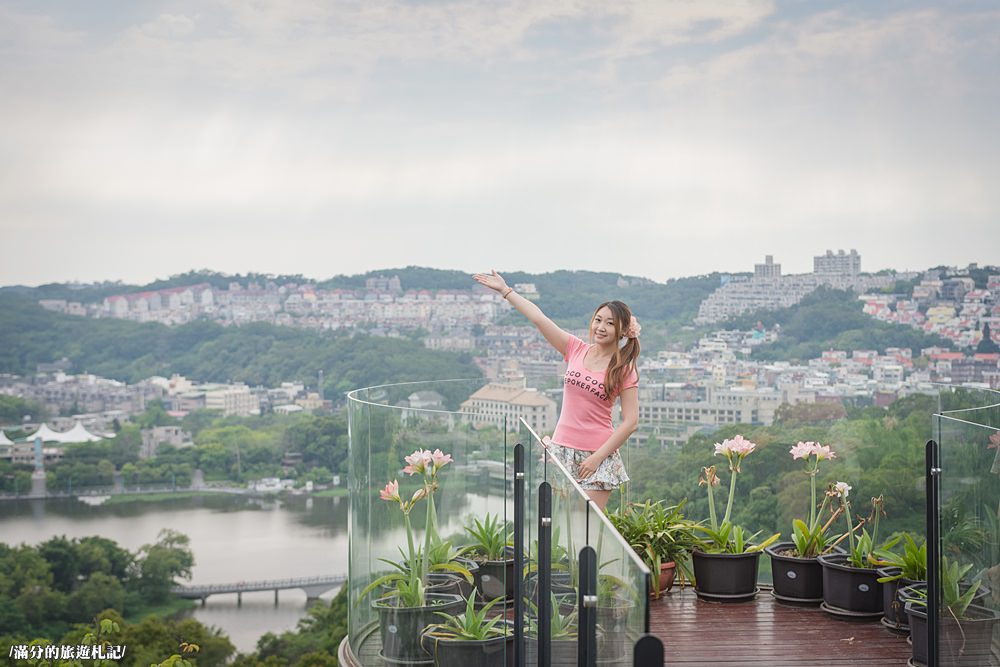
x=99 y=554
x=61 y=556
x=160 y=563
x=99 y=592
x=809 y=413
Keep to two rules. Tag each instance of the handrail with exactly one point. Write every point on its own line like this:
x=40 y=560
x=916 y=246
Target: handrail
x=592 y=506
x=351 y=395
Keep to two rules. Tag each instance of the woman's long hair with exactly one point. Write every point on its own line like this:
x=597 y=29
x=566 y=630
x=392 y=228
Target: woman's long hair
x=623 y=360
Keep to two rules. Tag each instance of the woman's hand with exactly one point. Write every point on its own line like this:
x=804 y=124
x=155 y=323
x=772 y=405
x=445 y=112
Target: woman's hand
x=589 y=466
x=493 y=280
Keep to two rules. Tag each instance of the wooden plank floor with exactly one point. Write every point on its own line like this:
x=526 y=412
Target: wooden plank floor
x=765 y=632
x=761 y=633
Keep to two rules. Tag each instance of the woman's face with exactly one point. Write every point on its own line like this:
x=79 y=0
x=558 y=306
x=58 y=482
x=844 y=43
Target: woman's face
x=603 y=328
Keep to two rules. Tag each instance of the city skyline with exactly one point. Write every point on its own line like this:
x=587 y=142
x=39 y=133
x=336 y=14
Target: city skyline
x=142 y=140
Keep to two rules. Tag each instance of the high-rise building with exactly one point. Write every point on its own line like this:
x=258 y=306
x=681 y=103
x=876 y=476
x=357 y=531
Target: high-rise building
x=768 y=269
x=839 y=264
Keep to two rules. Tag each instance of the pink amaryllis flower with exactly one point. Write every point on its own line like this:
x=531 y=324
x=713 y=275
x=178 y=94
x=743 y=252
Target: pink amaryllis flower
x=417 y=461
x=440 y=459
x=735 y=449
x=802 y=450
x=736 y=445
x=823 y=452
x=390 y=492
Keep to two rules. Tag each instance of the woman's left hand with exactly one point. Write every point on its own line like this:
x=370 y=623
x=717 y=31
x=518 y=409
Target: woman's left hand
x=589 y=466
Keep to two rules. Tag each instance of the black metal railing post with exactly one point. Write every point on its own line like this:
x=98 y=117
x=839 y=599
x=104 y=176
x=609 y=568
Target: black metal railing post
x=648 y=652
x=587 y=609
x=544 y=574
x=519 y=555
x=932 y=464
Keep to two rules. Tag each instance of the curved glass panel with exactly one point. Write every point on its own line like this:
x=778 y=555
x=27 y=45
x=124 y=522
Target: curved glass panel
x=967 y=429
x=461 y=419
x=387 y=424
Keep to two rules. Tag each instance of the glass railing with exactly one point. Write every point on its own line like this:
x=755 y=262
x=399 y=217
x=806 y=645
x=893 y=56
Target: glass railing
x=967 y=432
x=588 y=560
x=387 y=424
x=572 y=588
x=878 y=452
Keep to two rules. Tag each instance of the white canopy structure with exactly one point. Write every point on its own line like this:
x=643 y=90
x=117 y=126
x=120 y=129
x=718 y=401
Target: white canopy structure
x=76 y=434
x=46 y=434
x=79 y=434
x=4 y=440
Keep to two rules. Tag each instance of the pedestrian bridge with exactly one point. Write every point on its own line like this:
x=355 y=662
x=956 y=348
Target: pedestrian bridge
x=313 y=587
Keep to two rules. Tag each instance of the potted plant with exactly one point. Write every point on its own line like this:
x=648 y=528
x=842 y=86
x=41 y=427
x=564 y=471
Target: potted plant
x=490 y=547
x=850 y=582
x=470 y=638
x=562 y=633
x=446 y=571
x=449 y=570
x=660 y=535
x=725 y=560
x=965 y=630
x=796 y=572
x=409 y=608
x=899 y=570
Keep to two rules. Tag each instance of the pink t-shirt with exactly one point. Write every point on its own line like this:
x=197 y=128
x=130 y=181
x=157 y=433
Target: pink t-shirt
x=585 y=419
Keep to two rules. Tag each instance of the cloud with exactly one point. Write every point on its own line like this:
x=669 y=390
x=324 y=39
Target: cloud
x=692 y=125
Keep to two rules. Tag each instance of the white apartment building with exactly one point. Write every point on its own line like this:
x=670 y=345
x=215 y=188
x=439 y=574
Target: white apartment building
x=840 y=264
x=497 y=404
x=231 y=399
x=674 y=421
x=769 y=290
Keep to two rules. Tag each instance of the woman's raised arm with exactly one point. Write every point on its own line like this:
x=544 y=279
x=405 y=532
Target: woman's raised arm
x=557 y=337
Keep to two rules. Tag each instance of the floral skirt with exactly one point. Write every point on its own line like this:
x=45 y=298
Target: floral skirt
x=610 y=474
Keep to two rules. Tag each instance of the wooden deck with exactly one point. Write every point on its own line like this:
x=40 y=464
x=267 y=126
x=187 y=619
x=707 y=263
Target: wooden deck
x=765 y=632
x=762 y=632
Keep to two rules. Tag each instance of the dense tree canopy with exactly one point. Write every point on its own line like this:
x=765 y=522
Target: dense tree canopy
x=830 y=319
x=258 y=354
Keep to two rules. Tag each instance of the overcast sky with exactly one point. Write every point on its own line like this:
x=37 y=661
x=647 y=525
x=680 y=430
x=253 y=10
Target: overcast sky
x=139 y=139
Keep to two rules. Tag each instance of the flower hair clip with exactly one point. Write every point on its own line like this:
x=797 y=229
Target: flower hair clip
x=633 y=328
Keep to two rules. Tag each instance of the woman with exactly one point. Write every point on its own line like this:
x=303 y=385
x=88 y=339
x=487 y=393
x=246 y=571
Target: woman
x=597 y=374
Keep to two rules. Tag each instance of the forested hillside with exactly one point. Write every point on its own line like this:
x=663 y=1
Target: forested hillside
x=255 y=354
x=830 y=319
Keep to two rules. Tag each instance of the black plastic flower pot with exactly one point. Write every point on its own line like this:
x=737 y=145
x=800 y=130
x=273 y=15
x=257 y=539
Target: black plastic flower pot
x=401 y=627
x=966 y=642
x=614 y=641
x=796 y=580
x=495 y=579
x=725 y=577
x=893 y=616
x=465 y=587
x=562 y=652
x=850 y=591
x=916 y=615
x=445 y=582
x=561 y=585
x=496 y=652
